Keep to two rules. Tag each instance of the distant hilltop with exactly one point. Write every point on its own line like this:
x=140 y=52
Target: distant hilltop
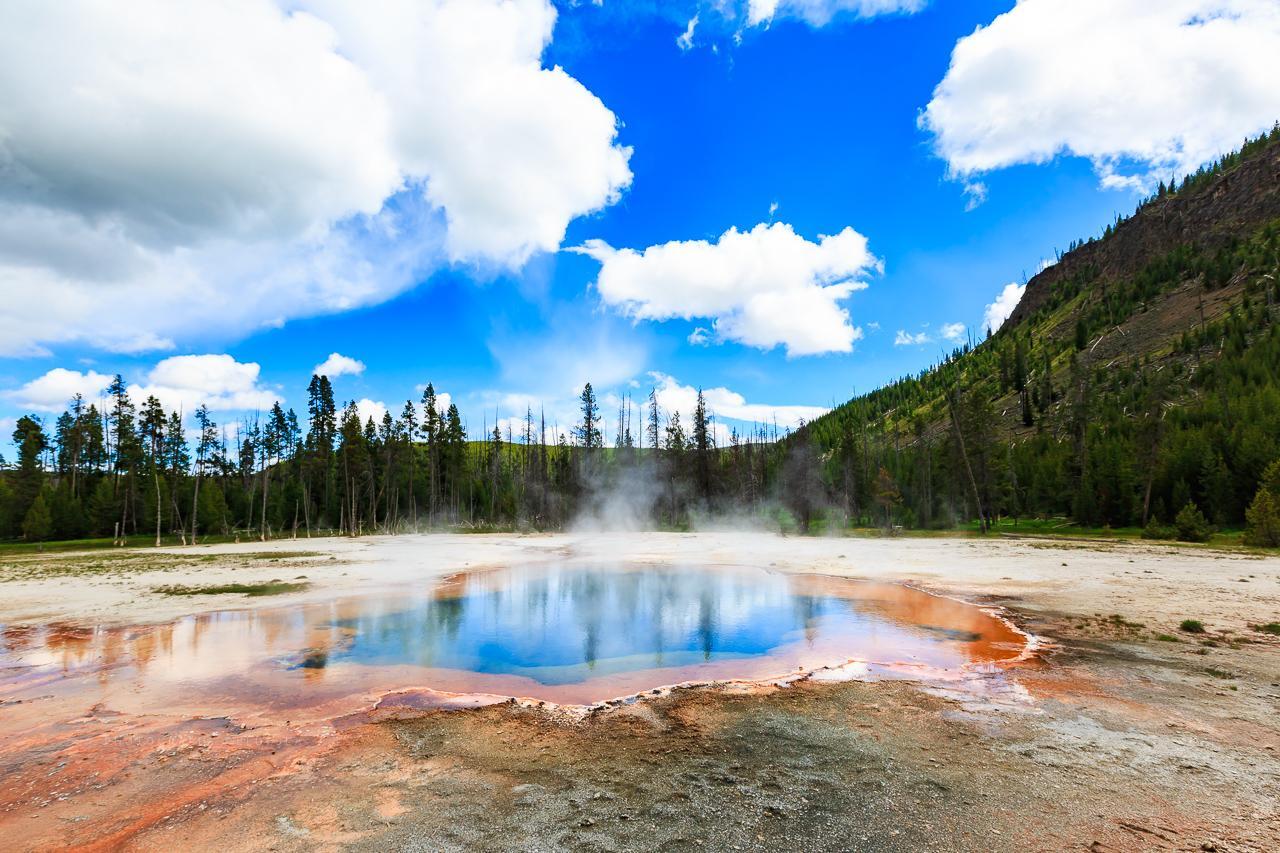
x=1218 y=206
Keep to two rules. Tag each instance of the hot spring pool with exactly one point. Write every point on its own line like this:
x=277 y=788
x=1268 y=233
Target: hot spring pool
x=565 y=632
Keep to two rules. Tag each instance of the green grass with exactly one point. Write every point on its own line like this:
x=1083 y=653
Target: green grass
x=32 y=566
x=252 y=590
x=1050 y=529
x=1192 y=626
x=268 y=556
x=1228 y=539
x=1057 y=526
x=125 y=562
x=1167 y=638
x=140 y=540
x=8 y=548
x=1269 y=628
x=484 y=528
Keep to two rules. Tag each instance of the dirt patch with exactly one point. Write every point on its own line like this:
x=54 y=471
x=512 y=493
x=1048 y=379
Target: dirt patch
x=1096 y=764
x=253 y=590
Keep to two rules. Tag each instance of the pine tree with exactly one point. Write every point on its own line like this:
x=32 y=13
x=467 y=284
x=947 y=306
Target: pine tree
x=588 y=431
x=676 y=443
x=454 y=446
x=103 y=510
x=30 y=439
x=177 y=461
x=274 y=435
x=654 y=424
x=37 y=523
x=8 y=524
x=126 y=452
x=1263 y=520
x=888 y=496
x=495 y=469
x=674 y=452
x=1271 y=479
x=702 y=447
x=1020 y=364
x=1191 y=524
x=1263 y=516
x=322 y=426
x=65 y=511
x=353 y=456
x=206 y=445
x=431 y=433
x=151 y=426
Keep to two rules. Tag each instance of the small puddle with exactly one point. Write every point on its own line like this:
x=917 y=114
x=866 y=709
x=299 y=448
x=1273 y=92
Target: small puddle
x=562 y=633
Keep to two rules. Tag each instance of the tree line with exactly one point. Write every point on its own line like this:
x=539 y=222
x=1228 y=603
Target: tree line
x=125 y=470
x=1000 y=430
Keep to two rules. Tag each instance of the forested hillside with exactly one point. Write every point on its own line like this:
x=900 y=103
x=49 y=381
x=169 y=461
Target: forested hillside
x=1137 y=384
x=1138 y=376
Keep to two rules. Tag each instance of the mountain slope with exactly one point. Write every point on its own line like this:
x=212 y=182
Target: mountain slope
x=1139 y=373
x=1219 y=206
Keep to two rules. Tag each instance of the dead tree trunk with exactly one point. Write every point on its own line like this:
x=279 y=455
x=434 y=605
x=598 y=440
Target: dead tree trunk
x=964 y=454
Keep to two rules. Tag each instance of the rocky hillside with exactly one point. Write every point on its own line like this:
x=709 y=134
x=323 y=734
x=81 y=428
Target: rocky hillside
x=1138 y=374
x=1216 y=209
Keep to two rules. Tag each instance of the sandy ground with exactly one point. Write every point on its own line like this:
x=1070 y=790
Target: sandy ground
x=1123 y=734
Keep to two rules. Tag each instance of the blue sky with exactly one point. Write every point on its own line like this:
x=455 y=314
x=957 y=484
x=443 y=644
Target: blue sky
x=959 y=145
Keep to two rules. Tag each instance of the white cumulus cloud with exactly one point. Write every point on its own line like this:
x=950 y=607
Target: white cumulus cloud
x=515 y=427
x=953 y=332
x=724 y=403
x=338 y=364
x=975 y=193
x=997 y=312
x=209 y=168
x=907 y=339
x=372 y=409
x=684 y=41
x=765 y=287
x=52 y=391
x=185 y=382
x=1143 y=89
x=819 y=12
x=180 y=383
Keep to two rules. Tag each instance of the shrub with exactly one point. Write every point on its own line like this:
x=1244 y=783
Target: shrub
x=37 y=524
x=254 y=590
x=1271 y=479
x=1262 y=520
x=1156 y=530
x=1192 y=626
x=1191 y=524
